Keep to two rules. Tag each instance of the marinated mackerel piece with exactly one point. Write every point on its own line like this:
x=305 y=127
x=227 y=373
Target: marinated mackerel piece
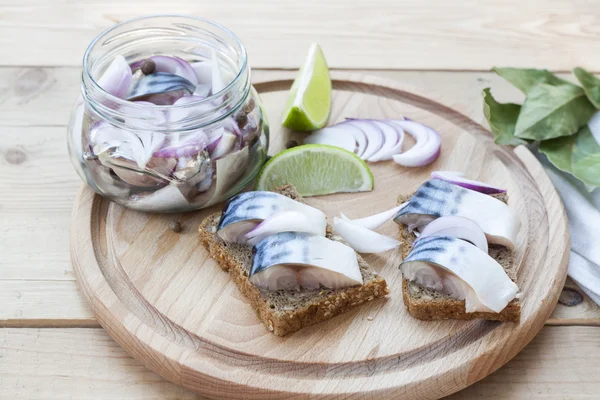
x=461 y=270
x=290 y=260
x=429 y=304
x=437 y=198
x=244 y=212
x=286 y=311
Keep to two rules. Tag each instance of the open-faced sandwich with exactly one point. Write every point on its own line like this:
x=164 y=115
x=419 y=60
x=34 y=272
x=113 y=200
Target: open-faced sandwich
x=458 y=253
x=287 y=261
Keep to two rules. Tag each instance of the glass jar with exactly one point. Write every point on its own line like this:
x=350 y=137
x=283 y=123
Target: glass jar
x=168 y=158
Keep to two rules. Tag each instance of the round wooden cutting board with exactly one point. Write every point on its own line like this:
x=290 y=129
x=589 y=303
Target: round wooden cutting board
x=169 y=305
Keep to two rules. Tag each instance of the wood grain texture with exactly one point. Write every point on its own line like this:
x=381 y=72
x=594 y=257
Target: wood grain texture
x=166 y=302
x=63 y=364
x=36 y=208
x=433 y=34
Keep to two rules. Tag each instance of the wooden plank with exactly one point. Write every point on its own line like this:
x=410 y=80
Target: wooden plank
x=43 y=304
x=38 y=184
x=560 y=363
x=433 y=34
x=75 y=364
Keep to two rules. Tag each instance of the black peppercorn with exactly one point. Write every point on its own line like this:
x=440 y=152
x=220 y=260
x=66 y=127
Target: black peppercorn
x=175 y=226
x=148 y=67
x=242 y=120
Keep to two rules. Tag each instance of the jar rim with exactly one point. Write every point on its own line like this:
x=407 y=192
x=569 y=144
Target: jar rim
x=206 y=100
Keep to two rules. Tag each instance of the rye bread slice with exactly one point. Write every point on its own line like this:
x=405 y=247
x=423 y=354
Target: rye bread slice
x=430 y=305
x=282 y=311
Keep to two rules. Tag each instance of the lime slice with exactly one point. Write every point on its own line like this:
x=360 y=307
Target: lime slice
x=316 y=169
x=309 y=101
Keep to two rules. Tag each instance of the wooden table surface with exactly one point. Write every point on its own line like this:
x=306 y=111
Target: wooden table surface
x=52 y=347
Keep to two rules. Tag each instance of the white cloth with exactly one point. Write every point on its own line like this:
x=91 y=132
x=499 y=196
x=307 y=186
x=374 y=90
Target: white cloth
x=583 y=211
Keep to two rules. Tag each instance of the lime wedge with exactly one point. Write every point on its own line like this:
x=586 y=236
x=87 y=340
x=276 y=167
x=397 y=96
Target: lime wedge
x=316 y=169
x=309 y=101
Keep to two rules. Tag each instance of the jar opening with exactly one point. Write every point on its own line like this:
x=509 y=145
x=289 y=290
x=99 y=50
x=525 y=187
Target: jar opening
x=193 y=39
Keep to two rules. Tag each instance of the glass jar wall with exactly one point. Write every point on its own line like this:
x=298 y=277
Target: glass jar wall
x=167 y=119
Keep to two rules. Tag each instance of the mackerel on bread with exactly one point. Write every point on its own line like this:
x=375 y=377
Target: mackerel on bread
x=429 y=305
x=282 y=311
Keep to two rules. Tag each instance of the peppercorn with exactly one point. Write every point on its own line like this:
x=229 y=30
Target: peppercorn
x=148 y=67
x=241 y=120
x=290 y=144
x=175 y=226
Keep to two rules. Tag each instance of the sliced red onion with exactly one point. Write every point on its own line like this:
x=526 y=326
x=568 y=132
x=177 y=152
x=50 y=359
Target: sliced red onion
x=203 y=70
x=160 y=88
x=214 y=137
x=376 y=220
x=212 y=145
x=453 y=177
x=180 y=114
x=458 y=227
x=175 y=66
x=332 y=137
x=390 y=140
x=151 y=113
x=427 y=148
x=387 y=152
x=345 y=128
x=225 y=146
x=117 y=78
x=284 y=221
x=187 y=145
x=363 y=240
x=373 y=133
x=202 y=90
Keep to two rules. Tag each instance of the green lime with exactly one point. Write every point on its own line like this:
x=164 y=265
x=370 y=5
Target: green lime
x=309 y=101
x=316 y=169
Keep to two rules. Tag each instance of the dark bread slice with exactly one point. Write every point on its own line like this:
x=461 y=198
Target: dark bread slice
x=284 y=312
x=430 y=305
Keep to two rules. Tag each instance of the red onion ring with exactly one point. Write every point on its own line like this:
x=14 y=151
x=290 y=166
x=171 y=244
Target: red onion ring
x=117 y=78
x=455 y=178
x=458 y=227
x=425 y=151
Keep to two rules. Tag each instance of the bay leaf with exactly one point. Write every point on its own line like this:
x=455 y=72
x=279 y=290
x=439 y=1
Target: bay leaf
x=559 y=152
x=585 y=160
x=525 y=79
x=591 y=85
x=553 y=111
x=577 y=154
x=502 y=118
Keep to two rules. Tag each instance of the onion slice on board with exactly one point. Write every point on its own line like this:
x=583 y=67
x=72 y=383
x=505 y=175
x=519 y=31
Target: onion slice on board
x=453 y=177
x=341 y=131
x=458 y=227
x=391 y=136
x=376 y=220
x=332 y=137
x=373 y=134
x=363 y=240
x=425 y=151
x=388 y=153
